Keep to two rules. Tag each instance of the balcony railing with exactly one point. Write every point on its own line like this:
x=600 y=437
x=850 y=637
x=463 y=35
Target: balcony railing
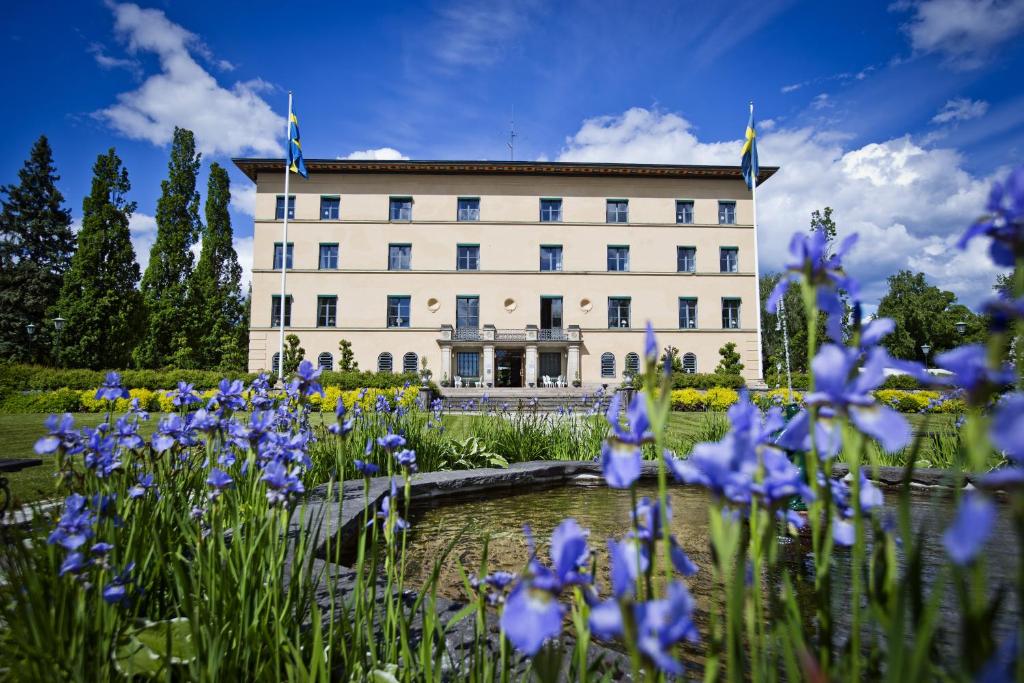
x=551 y=334
x=531 y=333
x=467 y=334
x=510 y=335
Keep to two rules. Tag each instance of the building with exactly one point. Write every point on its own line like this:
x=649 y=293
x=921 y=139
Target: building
x=505 y=272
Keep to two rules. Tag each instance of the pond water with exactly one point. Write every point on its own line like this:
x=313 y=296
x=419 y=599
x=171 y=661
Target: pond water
x=605 y=512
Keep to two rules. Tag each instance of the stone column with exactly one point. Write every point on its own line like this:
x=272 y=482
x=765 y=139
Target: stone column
x=446 y=363
x=530 y=375
x=572 y=363
x=488 y=377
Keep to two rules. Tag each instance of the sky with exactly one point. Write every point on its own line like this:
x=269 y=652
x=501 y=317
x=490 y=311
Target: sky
x=898 y=115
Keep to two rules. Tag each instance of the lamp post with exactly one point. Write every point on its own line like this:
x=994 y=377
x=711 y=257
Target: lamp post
x=960 y=326
x=58 y=325
x=925 y=348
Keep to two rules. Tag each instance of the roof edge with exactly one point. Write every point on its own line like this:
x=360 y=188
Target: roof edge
x=252 y=167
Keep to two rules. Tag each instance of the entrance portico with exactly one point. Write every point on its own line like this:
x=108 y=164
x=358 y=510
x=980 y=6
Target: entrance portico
x=509 y=357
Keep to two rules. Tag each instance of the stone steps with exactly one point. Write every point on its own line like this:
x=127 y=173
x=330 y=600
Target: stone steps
x=542 y=400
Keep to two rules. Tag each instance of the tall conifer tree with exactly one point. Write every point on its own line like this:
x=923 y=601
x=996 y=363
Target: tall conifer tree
x=214 y=288
x=165 y=283
x=100 y=299
x=36 y=244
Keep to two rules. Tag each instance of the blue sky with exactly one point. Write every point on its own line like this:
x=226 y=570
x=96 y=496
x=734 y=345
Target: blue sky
x=898 y=115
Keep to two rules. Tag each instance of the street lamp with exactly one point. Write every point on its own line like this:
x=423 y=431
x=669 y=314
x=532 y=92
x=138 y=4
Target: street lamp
x=58 y=324
x=925 y=348
x=31 y=329
x=960 y=326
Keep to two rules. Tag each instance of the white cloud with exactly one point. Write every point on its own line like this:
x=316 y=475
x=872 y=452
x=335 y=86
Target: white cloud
x=964 y=32
x=476 y=33
x=908 y=203
x=225 y=121
x=243 y=199
x=960 y=109
x=821 y=101
x=379 y=154
x=143 y=235
x=107 y=62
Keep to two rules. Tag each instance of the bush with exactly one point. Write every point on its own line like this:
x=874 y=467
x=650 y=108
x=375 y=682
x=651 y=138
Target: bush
x=775 y=397
x=720 y=398
x=368 y=380
x=910 y=401
x=18 y=377
x=800 y=380
x=900 y=382
x=682 y=380
x=328 y=402
x=60 y=401
x=687 y=399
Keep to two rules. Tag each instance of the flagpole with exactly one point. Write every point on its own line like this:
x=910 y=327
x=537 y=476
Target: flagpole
x=284 y=236
x=757 y=269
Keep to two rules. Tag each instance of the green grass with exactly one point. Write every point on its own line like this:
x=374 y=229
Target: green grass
x=18 y=434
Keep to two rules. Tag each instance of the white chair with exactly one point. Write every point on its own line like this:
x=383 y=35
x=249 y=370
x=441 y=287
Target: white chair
x=458 y=382
x=561 y=382
x=546 y=380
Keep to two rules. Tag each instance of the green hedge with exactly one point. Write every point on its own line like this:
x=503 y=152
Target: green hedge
x=708 y=380
x=18 y=378
x=800 y=381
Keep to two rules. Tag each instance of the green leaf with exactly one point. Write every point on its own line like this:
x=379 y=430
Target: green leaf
x=150 y=647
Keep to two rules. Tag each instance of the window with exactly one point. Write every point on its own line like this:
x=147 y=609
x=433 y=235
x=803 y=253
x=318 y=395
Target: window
x=730 y=314
x=686 y=259
x=277 y=255
x=329 y=207
x=618 y=259
x=384 y=362
x=632 y=363
x=410 y=362
x=467 y=257
x=275 y=310
x=325 y=361
x=687 y=314
x=467 y=312
x=467 y=364
x=398 y=311
x=275 y=363
x=328 y=256
x=551 y=211
x=684 y=211
x=327 y=311
x=401 y=209
x=607 y=365
x=617 y=211
x=399 y=257
x=279 y=212
x=618 y=312
x=726 y=213
x=729 y=259
x=551 y=258
x=689 y=363
x=469 y=209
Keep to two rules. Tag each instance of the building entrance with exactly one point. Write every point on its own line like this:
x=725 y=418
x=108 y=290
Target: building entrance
x=509 y=364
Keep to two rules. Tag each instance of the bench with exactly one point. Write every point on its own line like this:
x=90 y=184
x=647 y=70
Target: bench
x=13 y=465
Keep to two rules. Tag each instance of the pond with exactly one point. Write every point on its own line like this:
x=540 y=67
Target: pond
x=605 y=512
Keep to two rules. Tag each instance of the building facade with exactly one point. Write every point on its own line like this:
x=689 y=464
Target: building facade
x=505 y=273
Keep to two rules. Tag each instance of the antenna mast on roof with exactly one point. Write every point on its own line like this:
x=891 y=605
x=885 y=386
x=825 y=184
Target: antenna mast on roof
x=512 y=136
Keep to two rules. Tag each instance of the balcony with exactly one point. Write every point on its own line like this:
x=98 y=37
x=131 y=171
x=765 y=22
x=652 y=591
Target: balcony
x=491 y=334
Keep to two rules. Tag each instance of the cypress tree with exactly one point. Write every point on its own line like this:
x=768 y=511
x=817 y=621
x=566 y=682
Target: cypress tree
x=36 y=245
x=99 y=298
x=214 y=288
x=165 y=283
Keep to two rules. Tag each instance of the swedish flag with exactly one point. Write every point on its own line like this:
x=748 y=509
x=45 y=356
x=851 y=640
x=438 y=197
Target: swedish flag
x=295 y=162
x=749 y=160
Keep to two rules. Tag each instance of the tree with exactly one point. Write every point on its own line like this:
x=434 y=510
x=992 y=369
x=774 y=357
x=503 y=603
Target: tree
x=214 y=293
x=822 y=220
x=730 y=363
x=99 y=298
x=165 y=284
x=36 y=245
x=924 y=315
x=671 y=355
x=293 y=354
x=772 y=348
x=346 y=359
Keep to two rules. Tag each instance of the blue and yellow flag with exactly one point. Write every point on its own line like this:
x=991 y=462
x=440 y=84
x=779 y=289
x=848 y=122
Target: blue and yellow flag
x=295 y=162
x=749 y=159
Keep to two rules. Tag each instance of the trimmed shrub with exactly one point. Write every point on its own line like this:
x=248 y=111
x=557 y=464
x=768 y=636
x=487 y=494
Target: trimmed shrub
x=800 y=380
x=720 y=398
x=775 y=397
x=327 y=403
x=900 y=382
x=688 y=400
x=39 y=378
x=368 y=380
x=708 y=380
x=909 y=401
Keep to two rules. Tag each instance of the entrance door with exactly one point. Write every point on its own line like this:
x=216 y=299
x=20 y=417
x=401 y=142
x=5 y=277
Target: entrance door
x=551 y=314
x=510 y=367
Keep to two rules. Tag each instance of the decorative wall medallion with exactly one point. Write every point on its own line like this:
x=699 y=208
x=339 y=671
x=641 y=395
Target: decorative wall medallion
x=433 y=305
x=586 y=305
x=510 y=305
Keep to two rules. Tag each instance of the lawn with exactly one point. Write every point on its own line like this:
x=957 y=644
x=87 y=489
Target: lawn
x=18 y=434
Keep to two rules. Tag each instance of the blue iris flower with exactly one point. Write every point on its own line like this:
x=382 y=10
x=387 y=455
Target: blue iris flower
x=144 y=483
x=73 y=564
x=172 y=430
x=650 y=344
x=813 y=262
x=622 y=452
x=229 y=394
x=126 y=434
x=971 y=528
x=391 y=442
x=184 y=395
x=307 y=377
x=101 y=454
x=407 y=459
x=218 y=481
x=111 y=389
x=116 y=592
x=1004 y=224
x=971 y=371
x=74 y=527
x=62 y=436
x=281 y=482
x=367 y=469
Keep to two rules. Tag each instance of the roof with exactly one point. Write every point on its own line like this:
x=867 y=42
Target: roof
x=252 y=167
